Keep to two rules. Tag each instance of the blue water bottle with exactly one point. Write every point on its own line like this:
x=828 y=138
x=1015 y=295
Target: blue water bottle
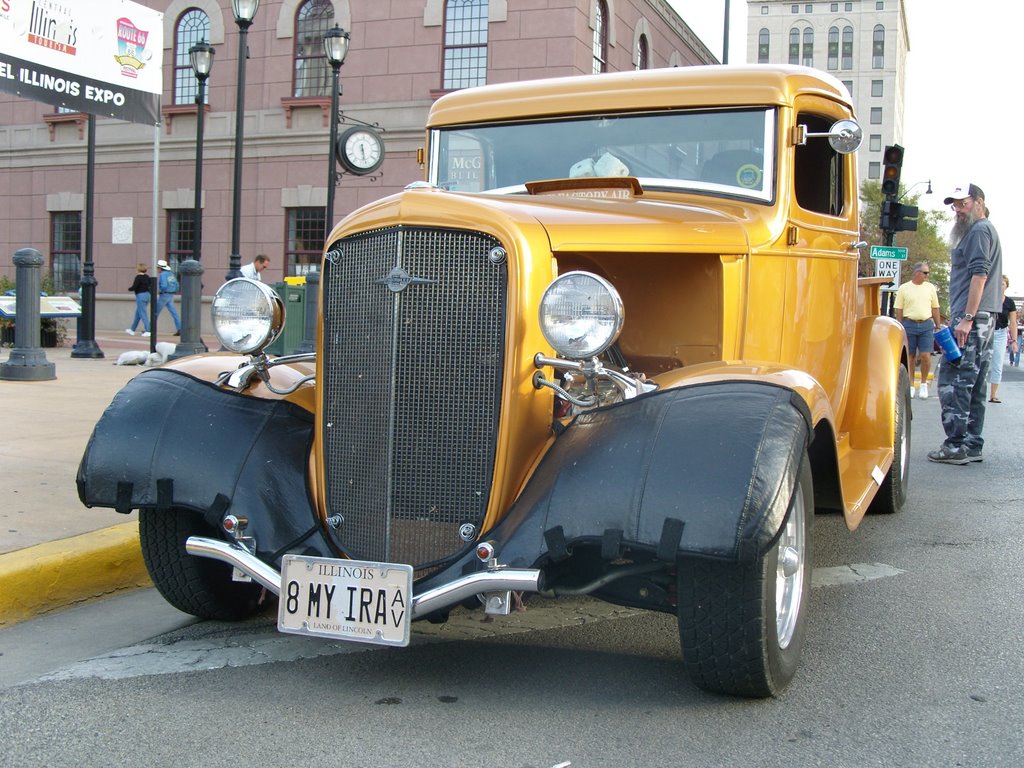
x=950 y=350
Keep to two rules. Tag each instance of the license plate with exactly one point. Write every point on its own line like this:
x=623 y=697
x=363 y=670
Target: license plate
x=345 y=599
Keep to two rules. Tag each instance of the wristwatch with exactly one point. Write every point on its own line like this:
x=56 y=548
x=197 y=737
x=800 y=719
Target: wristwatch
x=968 y=317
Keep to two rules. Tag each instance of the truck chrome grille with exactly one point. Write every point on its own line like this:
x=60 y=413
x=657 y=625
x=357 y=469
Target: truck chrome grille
x=413 y=340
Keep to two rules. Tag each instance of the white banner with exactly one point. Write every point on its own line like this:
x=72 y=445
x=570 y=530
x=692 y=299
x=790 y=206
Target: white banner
x=98 y=56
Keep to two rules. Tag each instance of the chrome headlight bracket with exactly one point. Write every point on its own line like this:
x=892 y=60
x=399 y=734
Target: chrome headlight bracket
x=601 y=385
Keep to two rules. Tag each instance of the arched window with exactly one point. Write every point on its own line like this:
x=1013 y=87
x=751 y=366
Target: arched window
x=878 y=48
x=763 y=46
x=312 y=70
x=600 y=37
x=794 y=46
x=847 y=57
x=465 y=44
x=193 y=26
x=643 y=53
x=808 y=57
x=833 y=48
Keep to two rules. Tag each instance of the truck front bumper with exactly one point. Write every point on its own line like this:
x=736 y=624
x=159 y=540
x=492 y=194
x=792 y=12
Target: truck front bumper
x=501 y=580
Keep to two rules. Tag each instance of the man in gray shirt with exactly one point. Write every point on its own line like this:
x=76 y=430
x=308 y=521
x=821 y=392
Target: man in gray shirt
x=974 y=301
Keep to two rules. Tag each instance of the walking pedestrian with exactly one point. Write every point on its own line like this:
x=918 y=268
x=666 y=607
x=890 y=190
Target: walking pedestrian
x=168 y=285
x=1015 y=352
x=1005 y=336
x=140 y=287
x=974 y=299
x=917 y=307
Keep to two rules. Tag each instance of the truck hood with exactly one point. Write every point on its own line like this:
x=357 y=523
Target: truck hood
x=633 y=224
x=639 y=223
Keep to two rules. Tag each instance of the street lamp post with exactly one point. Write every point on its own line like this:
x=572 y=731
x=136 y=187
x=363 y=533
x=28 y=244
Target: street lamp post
x=336 y=42
x=245 y=12
x=725 y=36
x=201 y=57
x=915 y=185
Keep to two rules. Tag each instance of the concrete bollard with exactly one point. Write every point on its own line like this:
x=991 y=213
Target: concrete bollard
x=190 y=273
x=27 y=361
x=312 y=305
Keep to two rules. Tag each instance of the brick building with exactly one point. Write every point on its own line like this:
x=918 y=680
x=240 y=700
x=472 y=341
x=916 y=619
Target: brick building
x=403 y=54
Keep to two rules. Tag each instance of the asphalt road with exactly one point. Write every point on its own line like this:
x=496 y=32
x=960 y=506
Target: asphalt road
x=915 y=657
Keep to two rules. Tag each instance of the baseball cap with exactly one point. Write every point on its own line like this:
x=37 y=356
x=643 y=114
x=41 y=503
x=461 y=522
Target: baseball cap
x=962 y=191
x=163 y=264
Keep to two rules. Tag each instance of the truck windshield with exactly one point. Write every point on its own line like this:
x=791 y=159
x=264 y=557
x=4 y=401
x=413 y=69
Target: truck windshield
x=723 y=151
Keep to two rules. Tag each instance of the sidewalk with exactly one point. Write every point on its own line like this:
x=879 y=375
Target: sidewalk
x=49 y=541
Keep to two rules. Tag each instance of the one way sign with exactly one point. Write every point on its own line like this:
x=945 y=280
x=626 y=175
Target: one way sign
x=888 y=268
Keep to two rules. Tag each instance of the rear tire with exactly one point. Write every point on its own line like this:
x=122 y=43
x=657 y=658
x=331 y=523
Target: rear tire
x=195 y=585
x=742 y=626
x=892 y=494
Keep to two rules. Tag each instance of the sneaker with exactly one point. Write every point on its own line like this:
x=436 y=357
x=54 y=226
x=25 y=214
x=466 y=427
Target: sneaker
x=974 y=454
x=923 y=392
x=146 y=334
x=129 y=331
x=913 y=392
x=947 y=455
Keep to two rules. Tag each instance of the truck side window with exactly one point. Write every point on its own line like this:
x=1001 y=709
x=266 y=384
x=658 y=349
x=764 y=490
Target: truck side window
x=819 y=170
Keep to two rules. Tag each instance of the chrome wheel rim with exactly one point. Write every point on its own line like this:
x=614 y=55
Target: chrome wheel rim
x=789 y=572
x=904 y=449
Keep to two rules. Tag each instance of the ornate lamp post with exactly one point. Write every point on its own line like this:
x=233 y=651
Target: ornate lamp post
x=336 y=42
x=245 y=12
x=201 y=57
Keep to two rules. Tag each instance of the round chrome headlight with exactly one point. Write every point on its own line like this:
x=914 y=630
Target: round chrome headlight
x=581 y=315
x=247 y=315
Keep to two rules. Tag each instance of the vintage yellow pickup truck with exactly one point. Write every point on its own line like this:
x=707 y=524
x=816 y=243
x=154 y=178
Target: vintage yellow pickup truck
x=613 y=344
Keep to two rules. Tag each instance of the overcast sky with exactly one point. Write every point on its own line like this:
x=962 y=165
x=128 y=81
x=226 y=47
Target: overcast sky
x=957 y=114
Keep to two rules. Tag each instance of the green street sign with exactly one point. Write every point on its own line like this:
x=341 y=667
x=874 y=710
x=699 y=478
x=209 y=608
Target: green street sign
x=888 y=252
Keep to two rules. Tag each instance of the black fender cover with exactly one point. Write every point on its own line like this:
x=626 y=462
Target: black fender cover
x=170 y=440
x=719 y=461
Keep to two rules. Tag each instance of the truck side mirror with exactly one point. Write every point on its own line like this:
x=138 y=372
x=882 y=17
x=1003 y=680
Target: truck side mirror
x=845 y=136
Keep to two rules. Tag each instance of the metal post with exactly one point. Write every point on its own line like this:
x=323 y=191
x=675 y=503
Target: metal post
x=725 y=36
x=154 y=289
x=191 y=342
x=27 y=361
x=336 y=42
x=312 y=305
x=86 y=346
x=890 y=240
x=332 y=173
x=235 y=260
x=197 y=216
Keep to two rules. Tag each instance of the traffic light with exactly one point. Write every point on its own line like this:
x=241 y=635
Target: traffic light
x=897 y=217
x=885 y=221
x=905 y=217
x=892 y=166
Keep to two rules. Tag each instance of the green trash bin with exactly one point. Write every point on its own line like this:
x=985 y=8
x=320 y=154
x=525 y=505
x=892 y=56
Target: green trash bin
x=294 y=298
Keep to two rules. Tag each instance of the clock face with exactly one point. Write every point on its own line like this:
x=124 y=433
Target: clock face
x=360 y=150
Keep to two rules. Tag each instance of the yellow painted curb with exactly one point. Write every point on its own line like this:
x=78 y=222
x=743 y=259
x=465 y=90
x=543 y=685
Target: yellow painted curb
x=59 y=573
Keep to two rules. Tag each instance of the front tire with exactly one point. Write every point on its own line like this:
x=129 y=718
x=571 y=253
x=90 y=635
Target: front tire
x=195 y=585
x=742 y=626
